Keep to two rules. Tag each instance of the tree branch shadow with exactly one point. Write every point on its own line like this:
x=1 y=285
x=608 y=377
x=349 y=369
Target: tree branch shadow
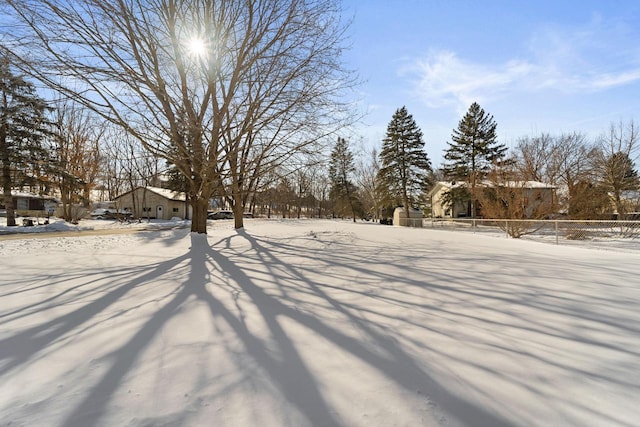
x=286 y=295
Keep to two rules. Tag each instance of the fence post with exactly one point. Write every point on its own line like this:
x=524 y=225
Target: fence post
x=556 y=224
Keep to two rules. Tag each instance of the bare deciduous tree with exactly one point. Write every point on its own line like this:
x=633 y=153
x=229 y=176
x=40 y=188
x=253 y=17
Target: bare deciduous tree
x=264 y=82
x=75 y=157
x=563 y=161
x=534 y=156
x=504 y=195
x=367 y=168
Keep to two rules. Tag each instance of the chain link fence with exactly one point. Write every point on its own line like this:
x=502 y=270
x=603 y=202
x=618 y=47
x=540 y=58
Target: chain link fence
x=625 y=234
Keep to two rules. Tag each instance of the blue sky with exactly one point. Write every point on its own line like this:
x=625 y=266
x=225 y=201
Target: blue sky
x=536 y=66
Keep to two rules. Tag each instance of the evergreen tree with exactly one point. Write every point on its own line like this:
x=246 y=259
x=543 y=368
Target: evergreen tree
x=618 y=176
x=405 y=167
x=176 y=180
x=474 y=150
x=22 y=131
x=343 y=192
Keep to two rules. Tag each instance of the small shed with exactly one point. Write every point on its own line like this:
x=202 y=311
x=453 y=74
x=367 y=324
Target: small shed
x=154 y=203
x=400 y=217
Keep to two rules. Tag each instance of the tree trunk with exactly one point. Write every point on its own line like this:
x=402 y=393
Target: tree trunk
x=8 y=198
x=620 y=207
x=238 y=211
x=65 y=198
x=8 y=202
x=199 y=220
x=407 y=212
x=6 y=174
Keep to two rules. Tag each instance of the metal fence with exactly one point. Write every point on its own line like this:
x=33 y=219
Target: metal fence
x=411 y=222
x=602 y=232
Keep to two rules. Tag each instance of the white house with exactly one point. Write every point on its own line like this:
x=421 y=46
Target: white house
x=30 y=204
x=534 y=193
x=440 y=209
x=154 y=202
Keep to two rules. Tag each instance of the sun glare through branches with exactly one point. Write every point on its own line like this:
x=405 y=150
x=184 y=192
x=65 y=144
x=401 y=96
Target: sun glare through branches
x=197 y=47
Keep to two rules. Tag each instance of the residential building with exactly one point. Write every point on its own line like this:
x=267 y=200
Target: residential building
x=531 y=194
x=154 y=203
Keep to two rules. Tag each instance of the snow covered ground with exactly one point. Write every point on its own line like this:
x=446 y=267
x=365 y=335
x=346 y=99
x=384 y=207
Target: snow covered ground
x=316 y=323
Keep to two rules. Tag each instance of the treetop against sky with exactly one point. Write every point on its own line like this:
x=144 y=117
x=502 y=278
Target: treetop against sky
x=541 y=66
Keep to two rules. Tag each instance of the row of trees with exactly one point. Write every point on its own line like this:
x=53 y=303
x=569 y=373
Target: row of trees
x=592 y=179
x=266 y=87
x=403 y=172
x=244 y=117
x=61 y=146
x=66 y=150
x=398 y=176
x=57 y=147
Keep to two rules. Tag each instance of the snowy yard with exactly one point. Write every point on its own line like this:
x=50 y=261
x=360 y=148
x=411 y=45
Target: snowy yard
x=316 y=323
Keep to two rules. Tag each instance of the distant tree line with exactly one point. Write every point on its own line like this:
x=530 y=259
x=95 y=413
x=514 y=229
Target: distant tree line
x=255 y=122
x=267 y=87
x=591 y=179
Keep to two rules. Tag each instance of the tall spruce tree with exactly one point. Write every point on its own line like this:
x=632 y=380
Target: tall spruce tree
x=405 y=166
x=618 y=176
x=22 y=131
x=341 y=168
x=473 y=151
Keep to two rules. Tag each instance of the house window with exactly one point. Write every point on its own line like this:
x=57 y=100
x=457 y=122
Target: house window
x=22 y=204
x=176 y=209
x=36 y=204
x=146 y=209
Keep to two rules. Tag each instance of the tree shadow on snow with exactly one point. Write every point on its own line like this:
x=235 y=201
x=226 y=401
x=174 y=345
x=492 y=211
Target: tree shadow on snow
x=393 y=361
x=279 y=305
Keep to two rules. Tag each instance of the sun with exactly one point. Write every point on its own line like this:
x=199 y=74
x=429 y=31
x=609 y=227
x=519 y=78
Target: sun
x=197 y=47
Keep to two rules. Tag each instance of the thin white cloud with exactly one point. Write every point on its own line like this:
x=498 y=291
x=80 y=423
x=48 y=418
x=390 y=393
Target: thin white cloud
x=555 y=59
x=445 y=79
x=606 y=81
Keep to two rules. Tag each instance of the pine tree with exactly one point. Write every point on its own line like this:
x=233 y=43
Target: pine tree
x=474 y=150
x=618 y=176
x=341 y=168
x=405 y=167
x=22 y=131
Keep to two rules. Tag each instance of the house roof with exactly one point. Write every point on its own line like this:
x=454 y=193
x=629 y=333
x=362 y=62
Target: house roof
x=525 y=184
x=29 y=195
x=439 y=185
x=487 y=183
x=169 y=194
x=164 y=192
